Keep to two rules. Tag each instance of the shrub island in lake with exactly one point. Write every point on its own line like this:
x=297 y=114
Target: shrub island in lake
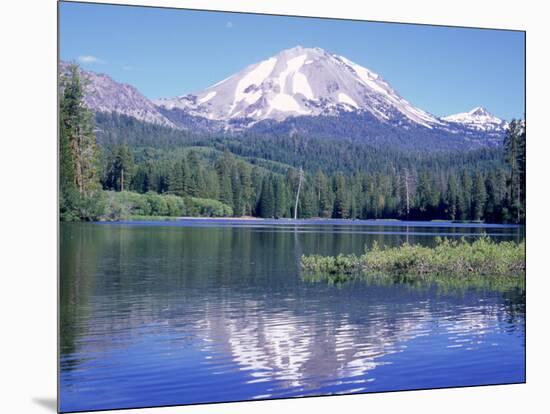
x=456 y=258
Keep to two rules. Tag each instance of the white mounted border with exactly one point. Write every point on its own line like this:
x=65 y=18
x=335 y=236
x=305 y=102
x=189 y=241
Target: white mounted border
x=28 y=267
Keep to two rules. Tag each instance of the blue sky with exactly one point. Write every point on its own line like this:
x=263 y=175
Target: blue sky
x=167 y=52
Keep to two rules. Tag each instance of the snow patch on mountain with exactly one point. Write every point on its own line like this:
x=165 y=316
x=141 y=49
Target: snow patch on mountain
x=254 y=77
x=301 y=85
x=207 y=97
x=343 y=98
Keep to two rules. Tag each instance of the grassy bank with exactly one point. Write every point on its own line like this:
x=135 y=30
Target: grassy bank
x=448 y=258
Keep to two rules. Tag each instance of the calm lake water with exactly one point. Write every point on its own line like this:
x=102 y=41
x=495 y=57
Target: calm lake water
x=202 y=311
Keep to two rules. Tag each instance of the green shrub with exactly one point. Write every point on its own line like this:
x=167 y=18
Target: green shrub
x=205 y=207
x=75 y=207
x=126 y=204
x=457 y=257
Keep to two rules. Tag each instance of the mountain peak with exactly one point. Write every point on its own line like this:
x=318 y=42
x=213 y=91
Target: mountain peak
x=301 y=81
x=299 y=50
x=480 y=111
x=478 y=118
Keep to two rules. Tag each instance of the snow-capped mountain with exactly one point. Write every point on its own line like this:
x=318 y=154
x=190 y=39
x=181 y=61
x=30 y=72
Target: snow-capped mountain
x=306 y=92
x=301 y=82
x=478 y=119
x=103 y=94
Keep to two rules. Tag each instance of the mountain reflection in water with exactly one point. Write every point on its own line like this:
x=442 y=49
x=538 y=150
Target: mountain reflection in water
x=176 y=314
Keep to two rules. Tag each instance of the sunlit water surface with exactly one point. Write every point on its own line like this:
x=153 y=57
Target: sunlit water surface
x=202 y=311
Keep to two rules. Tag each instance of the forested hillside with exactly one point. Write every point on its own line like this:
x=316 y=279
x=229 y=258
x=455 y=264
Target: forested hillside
x=257 y=175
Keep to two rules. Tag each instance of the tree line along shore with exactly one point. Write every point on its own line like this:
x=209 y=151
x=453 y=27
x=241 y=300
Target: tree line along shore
x=113 y=168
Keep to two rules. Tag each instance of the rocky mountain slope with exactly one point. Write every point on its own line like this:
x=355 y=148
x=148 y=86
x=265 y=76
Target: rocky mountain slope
x=306 y=91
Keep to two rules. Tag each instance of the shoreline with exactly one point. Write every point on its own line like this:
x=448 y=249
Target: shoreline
x=314 y=221
x=242 y=218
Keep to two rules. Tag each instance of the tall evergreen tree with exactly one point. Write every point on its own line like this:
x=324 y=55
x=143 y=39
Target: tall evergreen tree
x=307 y=203
x=280 y=197
x=452 y=198
x=267 y=202
x=479 y=196
x=193 y=180
x=514 y=147
x=492 y=201
x=465 y=205
x=341 y=200
x=178 y=177
x=212 y=185
x=79 y=154
x=224 y=168
x=247 y=189
x=120 y=169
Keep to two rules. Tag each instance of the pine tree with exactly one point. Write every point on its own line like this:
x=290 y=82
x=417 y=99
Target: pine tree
x=223 y=168
x=267 y=203
x=247 y=190
x=141 y=182
x=120 y=169
x=341 y=200
x=307 y=201
x=280 y=197
x=178 y=178
x=192 y=180
x=79 y=155
x=479 y=196
x=78 y=131
x=238 y=196
x=465 y=206
x=514 y=147
x=212 y=185
x=424 y=192
x=324 y=194
x=257 y=179
x=452 y=198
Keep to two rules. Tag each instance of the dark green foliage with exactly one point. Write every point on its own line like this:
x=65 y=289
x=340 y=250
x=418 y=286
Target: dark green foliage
x=223 y=167
x=479 y=197
x=258 y=176
x=281 y=197
x=452 y=198
x=341 y=197
x=267 y=199
x=79 y=187
x=515 y=155
x=194 y=181
x=179 y=177
x=119 y=169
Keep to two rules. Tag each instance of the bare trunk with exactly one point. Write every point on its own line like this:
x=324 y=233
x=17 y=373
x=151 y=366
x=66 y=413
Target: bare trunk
x=78 y=162
x=298 y=194
x=407 y=191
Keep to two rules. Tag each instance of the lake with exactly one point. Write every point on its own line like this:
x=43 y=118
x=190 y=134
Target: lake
x=194 y=311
